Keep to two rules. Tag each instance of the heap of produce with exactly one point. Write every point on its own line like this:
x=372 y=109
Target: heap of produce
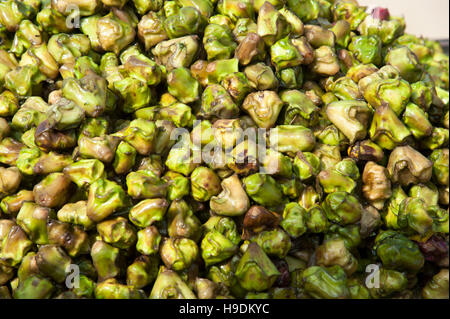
x=285 y=149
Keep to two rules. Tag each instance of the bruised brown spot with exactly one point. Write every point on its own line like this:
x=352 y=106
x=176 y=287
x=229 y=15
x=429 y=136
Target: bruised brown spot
x=381 y=13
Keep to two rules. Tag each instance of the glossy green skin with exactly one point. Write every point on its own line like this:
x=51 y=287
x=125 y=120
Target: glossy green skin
x=65 y=115
x=271 y=24
x=413 y=216
x=33 y=219
x=237 y=85
x=89 y=93
x=350 y=234
x=86 y=287
x=333 y=181
x=316 y=220
x=216 y=248
x=261 y=77
x=306 y=9
x=386 y=128
x=180 y=79
x=350 y=12
x=143 y=6
x=169 y=285
x=346 y=89
x=148 y=241
x=8 y=104
x=85 y=172
x=140 y=134
x=342 y=32
x=135 y=93
x=292 y=138
x=110 y=289
x=291 y=188
x=140 y=67
x=291 y=78
x=182 y=222
x=224 y=225
x=284 y=54
x=387 y=30
x=417 y=121
x=263 y=189
x=393 y=93
x=125 y=158
x=217 y=103
x=106 y=260
x=357 y=289
x=145 y=184
x=105 y=197
x=179 y=253
x=428 y=192
x=178 y=187
x=300 y=108
x=117 y=232
x=148 y=211
x=218 y=42
x=391 y=281
x=21 y=80
x=142 y=272
x=204 y=184
x=52 y=262
x=406 y=62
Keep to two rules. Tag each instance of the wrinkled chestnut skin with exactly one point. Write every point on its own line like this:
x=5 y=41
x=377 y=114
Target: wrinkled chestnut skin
x=285 y=278
x=435 y=250
x=258 y=219
x=49 y=139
